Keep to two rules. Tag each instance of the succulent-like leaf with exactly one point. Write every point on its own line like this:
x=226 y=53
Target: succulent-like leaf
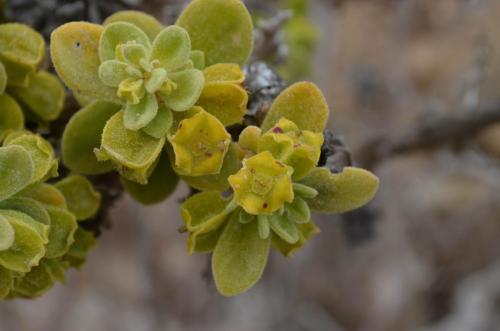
x=205 y=211
x=204 y=242
x=161 y=184
x=113 y=72
x=83 y=134
x=41 y=229
x=44 y=96
x=21 y=50
x=46 y=194
x=81 y=197
x=41 y=152
x=285 y=228
x=3 y=78
x=298 y=211
x=239 y=258
x=200 y=144
x=263 y=185
x=61 y=234
x=198 y=59
x=222 y=29
x=27 y=249
x=338 y=193
x=145 y=22
x=7 y=234
x=6 y=282
x=189 y=87
x=136 y=117
x=226 y=101
x=218 y=182
x=133 y=152
x=118 y=33
x=249 y=138
x=16 y=170
x=74 y=53
x=224 y=72
x=77 y=253
x=161 y=124
x=28 y=206
x=11 y=115
x=306 y=231
x=302 y=103
x=171 y=47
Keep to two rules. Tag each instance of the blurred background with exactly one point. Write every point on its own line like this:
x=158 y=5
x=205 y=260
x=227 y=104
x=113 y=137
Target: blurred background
x=414 y=90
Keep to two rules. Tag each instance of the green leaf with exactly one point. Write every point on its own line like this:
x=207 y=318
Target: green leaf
x=77 y=253
x=21 y=51
x=298 y=211
x=302 y=103
x=46 y=194
x=224 y=72
x=7 y=235
x=41 y=229
x=11 y=116
x=306 y=231
x=113 y=72
x=285 y=228
x=143 y=21
x=161 y=124
x=338 y=193
x=189 y=87
x=204 y=242
x=83 y=134
x=74 y=53
x=226 y=101
x=118 y=33
x=6 y=282
x=218 y=182
x=61 y=234
x=263 y=225
x=204 y=211
x=161 y=184
x=198 y=59
x=136 y=117
x=28 y=206
x=239 y=258
x=40 y=279
x=27 y=250
x=222 y=29
x=42 y=155
x=44 y=96
x=3 y=78
x=132 y=152
x=16 y=170
x=81 y=197
x=171 y=47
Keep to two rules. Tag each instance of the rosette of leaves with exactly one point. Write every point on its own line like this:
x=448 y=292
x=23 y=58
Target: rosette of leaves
x=25 y=91
x=39 y=233
x=156 y=99
x=274 y=193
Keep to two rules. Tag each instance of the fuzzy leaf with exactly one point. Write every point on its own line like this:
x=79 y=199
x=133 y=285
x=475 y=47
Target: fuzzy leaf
x=306 y=231
x=42 y=155
x=239 y=258
x=3 y=78
x=204 y=211
x=73 y=49
x=161 y=124
x=226 y=101
x=38 y=281
x=285 y=228
x=145 y=22
x=218 y=182
x=189 y=87
x=224 y=72
x=161 y=184
x=249 y=138
x=46 y=194
x=198 y=59
x=81 y=197
x=44 y=96
x=11 y=115
x=204 y=242
x=136 y=117
x=132 y=152
x=7 y=235
x=171 y=47
x=6 y=282
x=298 y=211
x=27 y=249
x=302 y=103
x=77 y=253
x=21 y=51
x=83 y=134
x=61 y=234
x=41 y=229
x=16 y=170
x=113 y=72
x=338 y=193
x=222 y=29
x=118 y=33
x=28 y=206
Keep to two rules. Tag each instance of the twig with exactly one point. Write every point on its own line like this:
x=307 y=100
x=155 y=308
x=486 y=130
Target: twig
x=439 y=130
x=268 y=41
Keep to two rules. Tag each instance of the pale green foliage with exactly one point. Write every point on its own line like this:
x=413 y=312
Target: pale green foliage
x=81 y=197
